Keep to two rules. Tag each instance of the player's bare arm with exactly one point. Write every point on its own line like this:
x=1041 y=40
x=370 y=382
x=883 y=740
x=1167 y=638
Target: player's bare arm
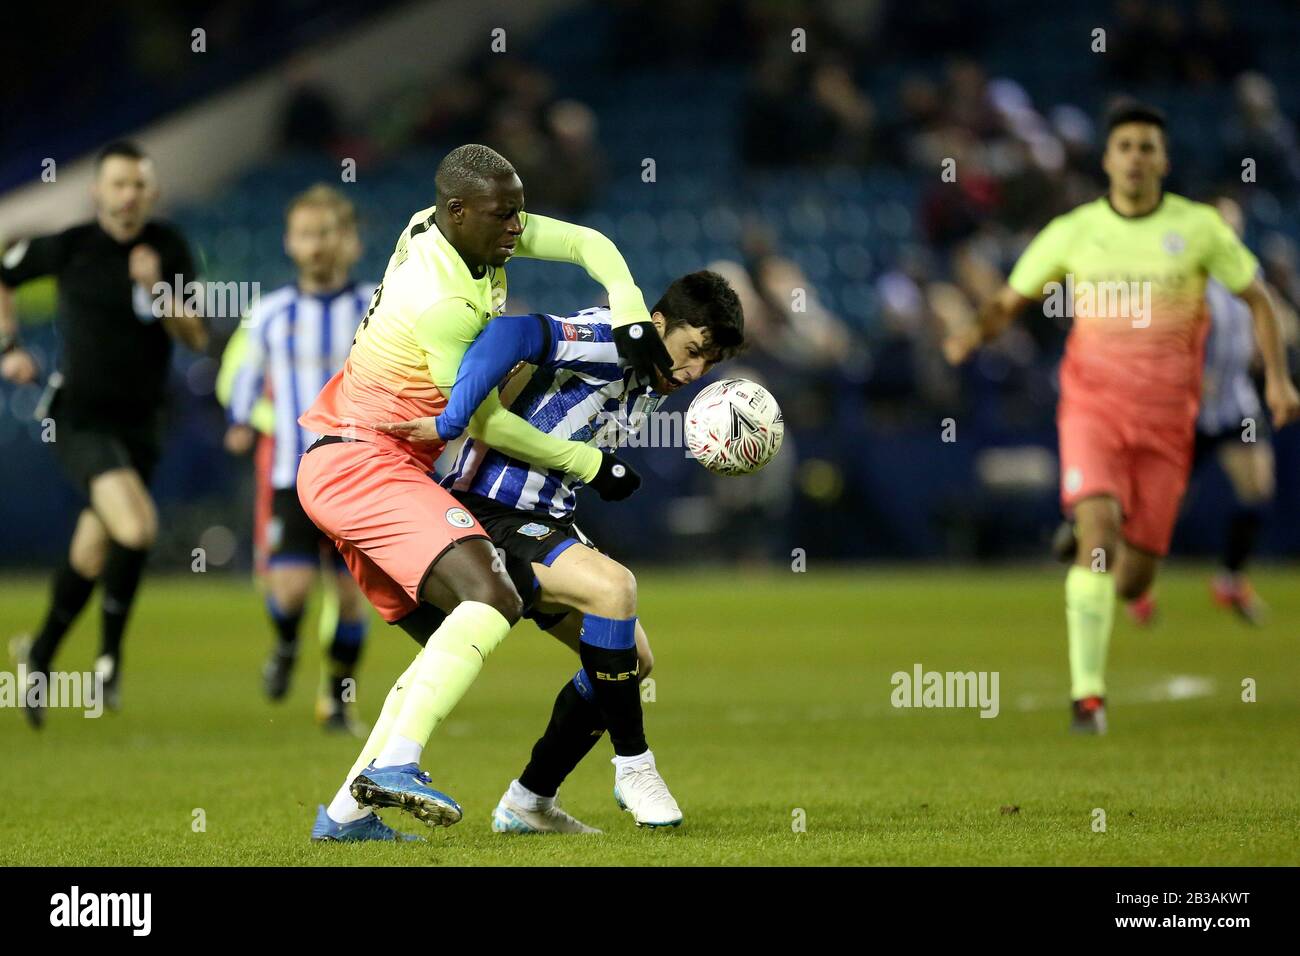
x=1279 y=391
x=16 y=363
x=992 y=320
x=183 y=325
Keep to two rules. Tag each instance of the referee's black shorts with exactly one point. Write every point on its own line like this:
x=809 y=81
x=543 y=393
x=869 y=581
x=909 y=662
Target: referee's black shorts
x=1208 y=443
x=525 y=537
x=85 y=451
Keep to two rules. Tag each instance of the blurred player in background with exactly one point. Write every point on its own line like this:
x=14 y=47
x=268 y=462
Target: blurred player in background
x=119 y=311
x=574 y=386
x=1131 y=376
x=298 y=337
x=368 y=482
x=1231 y=431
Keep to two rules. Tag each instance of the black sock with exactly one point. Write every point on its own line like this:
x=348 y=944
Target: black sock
x=344 y=652
x=287 y=624
x=608 y=653
x=68 y=596
x=575 y=727
x=121 y=579
x=1243 y=530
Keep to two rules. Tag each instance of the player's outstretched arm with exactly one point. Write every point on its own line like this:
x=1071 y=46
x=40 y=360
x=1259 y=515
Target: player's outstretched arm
x=1279 y=391
x=507 y=341
x=446 y=332
x=22 y=261
x=1043 y=261
x=992 y=320
x=634 y=333
x=16 y=363
x=241 y=382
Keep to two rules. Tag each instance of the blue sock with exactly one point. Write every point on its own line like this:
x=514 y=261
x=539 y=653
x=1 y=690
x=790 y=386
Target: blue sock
x=286 y=626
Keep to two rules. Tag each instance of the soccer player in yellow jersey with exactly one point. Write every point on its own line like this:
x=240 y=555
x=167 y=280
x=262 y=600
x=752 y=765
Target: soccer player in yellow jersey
x=1132 y=266
x=368 y=481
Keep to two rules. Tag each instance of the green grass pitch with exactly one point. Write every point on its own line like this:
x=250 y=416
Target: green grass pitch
x=772 y=705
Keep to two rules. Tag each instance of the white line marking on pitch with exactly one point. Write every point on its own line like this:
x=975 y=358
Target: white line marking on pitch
x=1177 y=687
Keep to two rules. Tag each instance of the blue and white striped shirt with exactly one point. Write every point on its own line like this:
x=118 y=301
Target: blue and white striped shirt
x=580 y=390
x=1227 y=393
x=297 y=342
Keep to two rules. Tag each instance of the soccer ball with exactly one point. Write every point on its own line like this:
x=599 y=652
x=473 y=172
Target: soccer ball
x=734 y=427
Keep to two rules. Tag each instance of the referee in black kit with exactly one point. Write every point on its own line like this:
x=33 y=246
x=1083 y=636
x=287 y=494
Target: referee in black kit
x=107 y=409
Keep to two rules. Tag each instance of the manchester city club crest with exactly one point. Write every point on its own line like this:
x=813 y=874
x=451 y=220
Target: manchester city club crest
x=459 y=518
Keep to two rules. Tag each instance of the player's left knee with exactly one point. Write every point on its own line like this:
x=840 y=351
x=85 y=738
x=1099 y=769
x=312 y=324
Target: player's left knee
x=618 y=592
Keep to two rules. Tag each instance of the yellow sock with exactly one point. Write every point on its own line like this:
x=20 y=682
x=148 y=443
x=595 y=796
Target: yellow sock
x=444 y=671
x=384 y=725
x=344 y=808
x=1089 y=615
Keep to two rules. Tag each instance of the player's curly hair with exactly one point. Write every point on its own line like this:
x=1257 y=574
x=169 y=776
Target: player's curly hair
x=705 y=300
x=467 y=171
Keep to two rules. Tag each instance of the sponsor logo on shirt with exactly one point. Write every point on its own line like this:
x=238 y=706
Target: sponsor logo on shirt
x=1173 y=243
x=535 y=530
x=578 y=333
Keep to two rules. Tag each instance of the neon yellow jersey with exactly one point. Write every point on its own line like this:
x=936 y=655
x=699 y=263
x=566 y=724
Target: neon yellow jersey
x=1136 y=288
x=424 y=316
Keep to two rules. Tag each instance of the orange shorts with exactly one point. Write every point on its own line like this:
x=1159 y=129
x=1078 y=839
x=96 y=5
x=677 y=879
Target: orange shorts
x=388 y=516
x=1143 y=464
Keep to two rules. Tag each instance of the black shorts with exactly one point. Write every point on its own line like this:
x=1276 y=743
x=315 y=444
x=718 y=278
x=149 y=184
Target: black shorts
x=526 y=538
x=292 y=537
x=86 y=451
x=1207 y=445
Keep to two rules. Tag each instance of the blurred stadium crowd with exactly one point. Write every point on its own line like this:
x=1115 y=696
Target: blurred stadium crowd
x=812 y=180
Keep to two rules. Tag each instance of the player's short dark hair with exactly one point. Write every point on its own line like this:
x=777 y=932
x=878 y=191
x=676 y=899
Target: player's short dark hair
x=705 y=300
x=1134 y=111
x=468 y=170
x=119 y=147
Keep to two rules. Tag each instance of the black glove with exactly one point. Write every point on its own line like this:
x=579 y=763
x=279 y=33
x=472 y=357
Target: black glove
x=641 y=347
x=616 y=478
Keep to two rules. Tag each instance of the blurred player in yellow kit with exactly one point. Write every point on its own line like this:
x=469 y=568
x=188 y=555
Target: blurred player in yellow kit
x=1137 y=261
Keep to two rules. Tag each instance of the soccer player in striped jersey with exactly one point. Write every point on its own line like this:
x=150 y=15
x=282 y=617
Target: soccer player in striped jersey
x=1137 y=261
x=573 y=385
x=1232 y=429
x=367 y=481
x=298 y=337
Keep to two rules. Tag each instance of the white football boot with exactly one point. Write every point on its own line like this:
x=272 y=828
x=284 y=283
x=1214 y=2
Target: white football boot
x=510 y=817
x=640 y=791
x=109 y=678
